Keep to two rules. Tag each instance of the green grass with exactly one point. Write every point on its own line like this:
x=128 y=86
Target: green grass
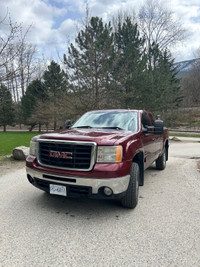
x=184 y=135
x=10 y=140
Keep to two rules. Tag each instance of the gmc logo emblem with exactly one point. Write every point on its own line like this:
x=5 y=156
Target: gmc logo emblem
x=60 y=155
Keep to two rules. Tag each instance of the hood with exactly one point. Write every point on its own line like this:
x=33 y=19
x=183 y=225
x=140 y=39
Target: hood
x=100 y=136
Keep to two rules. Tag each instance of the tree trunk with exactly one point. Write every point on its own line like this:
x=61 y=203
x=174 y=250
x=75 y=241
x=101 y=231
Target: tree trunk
x=47 y=127
x=31 y=128
x=4 y=127
x=54 y=124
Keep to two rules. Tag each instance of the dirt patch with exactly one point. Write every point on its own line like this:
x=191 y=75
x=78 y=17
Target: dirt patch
x=10 y=165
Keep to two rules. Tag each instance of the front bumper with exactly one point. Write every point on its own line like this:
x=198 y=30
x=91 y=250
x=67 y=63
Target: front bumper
x=79 y=186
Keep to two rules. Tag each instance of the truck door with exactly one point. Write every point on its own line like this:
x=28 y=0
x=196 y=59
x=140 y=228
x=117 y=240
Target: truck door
x=148 y=141
x=158 y=139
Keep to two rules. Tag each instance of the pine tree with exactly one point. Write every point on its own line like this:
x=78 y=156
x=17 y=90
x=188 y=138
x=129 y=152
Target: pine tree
x=6 y=107
x=130 y=63
x=89 y=62
x=54 y=80
x=162 y=90
x=34 y=92
x=55 y=83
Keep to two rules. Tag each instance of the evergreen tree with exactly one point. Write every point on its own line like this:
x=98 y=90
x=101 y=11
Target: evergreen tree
x=55 y=83
x=35 y=92
x=130 y=62
x=6 y=107
x=54 y=80
x=89 y=63
x=162 y=89
x=113 y=70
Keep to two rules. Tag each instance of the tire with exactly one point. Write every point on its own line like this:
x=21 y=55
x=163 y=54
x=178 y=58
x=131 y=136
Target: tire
x=161 y=161
x=130 y=200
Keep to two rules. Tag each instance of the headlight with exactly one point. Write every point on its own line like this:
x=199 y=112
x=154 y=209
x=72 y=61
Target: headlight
x=33 y=148
x=109 y=154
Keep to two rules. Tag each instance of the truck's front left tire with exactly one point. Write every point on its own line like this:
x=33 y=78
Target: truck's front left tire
x=130 y=200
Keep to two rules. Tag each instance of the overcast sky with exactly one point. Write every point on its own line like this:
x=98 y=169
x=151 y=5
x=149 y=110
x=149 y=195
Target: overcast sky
x=54 y=22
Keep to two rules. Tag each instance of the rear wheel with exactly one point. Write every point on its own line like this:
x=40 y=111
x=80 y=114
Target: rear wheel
x=130 y=200
x=161 y=161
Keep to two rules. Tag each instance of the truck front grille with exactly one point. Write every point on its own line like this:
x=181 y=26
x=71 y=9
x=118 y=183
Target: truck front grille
x=66 y=154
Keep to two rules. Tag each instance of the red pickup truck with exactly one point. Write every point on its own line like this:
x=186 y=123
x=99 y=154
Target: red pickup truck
x=103 y=155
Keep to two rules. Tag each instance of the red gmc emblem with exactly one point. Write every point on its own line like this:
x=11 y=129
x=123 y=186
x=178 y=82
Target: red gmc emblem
x=60 y=155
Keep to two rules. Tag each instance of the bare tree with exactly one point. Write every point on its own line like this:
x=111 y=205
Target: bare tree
x=8 y=34
x=25 y=60
x=39 y=66
x=121 y=17
x=158 y=25
x=16 y=57
x=45 y=111
x=19 y=72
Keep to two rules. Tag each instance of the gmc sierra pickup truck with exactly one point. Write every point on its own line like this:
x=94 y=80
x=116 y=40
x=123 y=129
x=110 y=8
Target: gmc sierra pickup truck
x=102 y=155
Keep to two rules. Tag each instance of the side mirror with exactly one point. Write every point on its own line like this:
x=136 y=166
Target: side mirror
x=68 y=124
x=158 y=127
x=144 y=130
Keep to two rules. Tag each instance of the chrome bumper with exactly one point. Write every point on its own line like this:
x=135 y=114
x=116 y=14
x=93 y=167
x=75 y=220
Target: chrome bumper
x=118 y=185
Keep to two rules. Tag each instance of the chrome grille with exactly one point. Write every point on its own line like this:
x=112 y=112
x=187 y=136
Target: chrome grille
x=66 y=154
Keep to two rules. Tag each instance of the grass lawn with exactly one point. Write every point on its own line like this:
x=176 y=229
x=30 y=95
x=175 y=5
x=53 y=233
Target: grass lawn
x=184 y=135
x=10 y=140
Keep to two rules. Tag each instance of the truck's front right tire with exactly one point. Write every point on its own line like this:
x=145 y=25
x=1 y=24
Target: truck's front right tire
x=161 y=161
x=130 y=200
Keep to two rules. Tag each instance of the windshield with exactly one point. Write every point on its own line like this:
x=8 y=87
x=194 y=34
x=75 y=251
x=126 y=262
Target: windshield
x=121 y=120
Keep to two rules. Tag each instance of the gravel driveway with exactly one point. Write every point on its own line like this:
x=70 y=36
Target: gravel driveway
x=37 y=229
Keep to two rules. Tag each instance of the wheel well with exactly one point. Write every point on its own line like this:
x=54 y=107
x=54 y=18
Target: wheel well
x=139 y=159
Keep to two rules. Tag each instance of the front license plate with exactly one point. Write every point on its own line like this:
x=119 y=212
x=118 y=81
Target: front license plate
x=58 y=190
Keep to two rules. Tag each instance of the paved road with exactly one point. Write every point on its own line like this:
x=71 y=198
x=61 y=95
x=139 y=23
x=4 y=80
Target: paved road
x=163 y=230
x=188 y=148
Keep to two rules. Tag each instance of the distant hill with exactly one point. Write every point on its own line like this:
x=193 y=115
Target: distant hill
x=185 y=66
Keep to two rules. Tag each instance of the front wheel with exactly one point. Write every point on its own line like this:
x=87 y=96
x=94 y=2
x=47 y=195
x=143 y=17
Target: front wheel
x=130 y=200
x=161 y=161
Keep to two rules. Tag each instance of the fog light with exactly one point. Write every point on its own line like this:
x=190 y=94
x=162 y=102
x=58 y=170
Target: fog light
x=107 y=191
x=31 y=180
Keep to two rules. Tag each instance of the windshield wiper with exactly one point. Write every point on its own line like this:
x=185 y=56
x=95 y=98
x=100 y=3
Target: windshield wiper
x=115 y=128
x=84 y=126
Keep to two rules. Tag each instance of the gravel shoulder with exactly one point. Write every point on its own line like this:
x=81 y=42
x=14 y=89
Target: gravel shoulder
x=8 y=165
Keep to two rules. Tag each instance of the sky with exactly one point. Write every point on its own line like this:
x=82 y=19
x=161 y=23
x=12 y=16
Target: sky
x=55 y=22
